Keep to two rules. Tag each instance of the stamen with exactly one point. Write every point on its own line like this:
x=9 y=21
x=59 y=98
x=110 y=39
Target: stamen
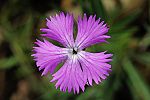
x=74 y=51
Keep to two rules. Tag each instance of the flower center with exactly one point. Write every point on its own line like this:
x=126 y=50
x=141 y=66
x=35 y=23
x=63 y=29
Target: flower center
x=74 y=51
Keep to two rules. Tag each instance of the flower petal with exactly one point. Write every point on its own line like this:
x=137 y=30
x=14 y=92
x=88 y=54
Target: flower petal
x=48 y=56
x=95 y=66
x=90 y=31
x=69 y=76
x=60 y=28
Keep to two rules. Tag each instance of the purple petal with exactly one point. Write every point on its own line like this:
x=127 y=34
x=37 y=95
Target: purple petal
x=60 y=28
x=48 y=56
x=90 y=31
x=95 y=66
x=69 y=76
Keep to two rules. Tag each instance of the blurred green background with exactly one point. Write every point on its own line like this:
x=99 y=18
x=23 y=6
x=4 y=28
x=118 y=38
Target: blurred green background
x=129 y=22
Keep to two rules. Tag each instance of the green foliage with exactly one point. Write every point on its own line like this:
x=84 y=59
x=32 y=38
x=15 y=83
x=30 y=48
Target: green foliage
x=8 y=62
x=137 y=83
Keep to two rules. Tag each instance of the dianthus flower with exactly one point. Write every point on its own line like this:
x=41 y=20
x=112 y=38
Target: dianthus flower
x=80 y=67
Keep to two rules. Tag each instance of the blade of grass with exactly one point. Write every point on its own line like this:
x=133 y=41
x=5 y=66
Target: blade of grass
x=7 y=63
x=98 y=8
x=86 y=6
x=120 y=23
x=140 y=87
x=143 y=58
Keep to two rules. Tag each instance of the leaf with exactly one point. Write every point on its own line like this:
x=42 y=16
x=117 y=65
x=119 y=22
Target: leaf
x=7 y=63
x=86 y=6
x=120 y=23
x=143 y=58
x=98 y=8
x=140 y=87
x=93 y=7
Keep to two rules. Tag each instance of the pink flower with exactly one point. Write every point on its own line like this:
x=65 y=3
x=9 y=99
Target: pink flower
x=80 y=67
